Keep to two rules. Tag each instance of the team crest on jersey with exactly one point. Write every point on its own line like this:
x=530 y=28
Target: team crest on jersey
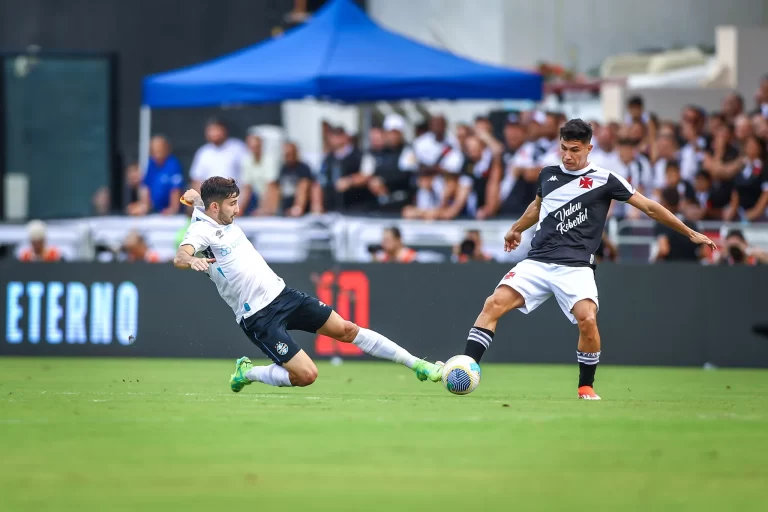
x=585 y=182
x=281 y=348
x=219 y=234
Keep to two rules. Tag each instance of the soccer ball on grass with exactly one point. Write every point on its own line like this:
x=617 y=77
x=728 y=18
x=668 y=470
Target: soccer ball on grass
x=461 y=375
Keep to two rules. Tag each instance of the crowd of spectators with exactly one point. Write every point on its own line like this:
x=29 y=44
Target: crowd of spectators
x=704 y=166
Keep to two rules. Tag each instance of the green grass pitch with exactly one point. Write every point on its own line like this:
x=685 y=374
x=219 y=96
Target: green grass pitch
x=168 y=435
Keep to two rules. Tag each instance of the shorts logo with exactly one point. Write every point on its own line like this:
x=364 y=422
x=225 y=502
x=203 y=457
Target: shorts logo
x=510 y=275
x=321 y=303
x=281 y=348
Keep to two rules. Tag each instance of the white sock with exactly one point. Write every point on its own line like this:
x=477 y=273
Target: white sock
x=382 y=347
x=272 y=375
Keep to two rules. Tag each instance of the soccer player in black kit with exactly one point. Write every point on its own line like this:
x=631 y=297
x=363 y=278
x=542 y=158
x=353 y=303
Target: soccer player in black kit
x=569 y=215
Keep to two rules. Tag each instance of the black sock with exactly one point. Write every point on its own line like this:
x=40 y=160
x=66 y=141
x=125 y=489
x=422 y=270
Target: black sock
x=587 y=367
x=478 y=341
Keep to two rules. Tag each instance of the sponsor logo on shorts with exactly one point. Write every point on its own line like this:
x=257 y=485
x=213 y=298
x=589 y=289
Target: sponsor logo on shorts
x=281 y=348
x=321 y=303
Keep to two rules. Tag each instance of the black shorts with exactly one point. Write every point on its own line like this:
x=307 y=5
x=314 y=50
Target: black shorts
x=291 y=310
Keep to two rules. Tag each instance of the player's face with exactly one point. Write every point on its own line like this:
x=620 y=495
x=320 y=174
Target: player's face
x=228 y=210
x=574 y=153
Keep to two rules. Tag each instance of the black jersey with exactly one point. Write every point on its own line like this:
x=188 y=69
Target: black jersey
x=574 y=207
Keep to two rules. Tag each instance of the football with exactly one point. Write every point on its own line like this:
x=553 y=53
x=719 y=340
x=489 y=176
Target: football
x=461 y=375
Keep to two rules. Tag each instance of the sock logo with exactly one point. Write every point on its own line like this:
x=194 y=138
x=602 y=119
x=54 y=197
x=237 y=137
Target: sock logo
x=281 y=348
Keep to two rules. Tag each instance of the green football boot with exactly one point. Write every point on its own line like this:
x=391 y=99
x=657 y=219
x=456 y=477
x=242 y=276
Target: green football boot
x=428 y=371
x=238 y=380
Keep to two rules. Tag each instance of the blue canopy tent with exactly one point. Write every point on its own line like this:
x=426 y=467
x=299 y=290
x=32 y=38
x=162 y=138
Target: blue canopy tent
x=339 y=55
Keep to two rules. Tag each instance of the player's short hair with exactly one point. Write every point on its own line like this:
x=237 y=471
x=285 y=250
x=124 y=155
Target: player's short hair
x=576 y=130
x=395 y=232
x=635 y=101
x=216 y=189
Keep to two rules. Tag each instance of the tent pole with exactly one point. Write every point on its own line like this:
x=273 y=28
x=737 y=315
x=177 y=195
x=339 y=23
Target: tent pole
x=145 y=129
x=366 y=113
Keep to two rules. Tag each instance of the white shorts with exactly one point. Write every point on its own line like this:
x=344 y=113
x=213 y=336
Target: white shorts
x=537 y=281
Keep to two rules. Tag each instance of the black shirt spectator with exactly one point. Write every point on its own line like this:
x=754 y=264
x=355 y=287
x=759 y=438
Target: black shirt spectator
x=750 y=194
x=342 y=186
x=674 y=246
x=294 y=182
x=520 y=180
x=391 y=164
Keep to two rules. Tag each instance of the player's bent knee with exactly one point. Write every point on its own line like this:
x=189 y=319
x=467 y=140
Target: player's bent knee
x=305 y=376
x=350 y=332
x=587 y=321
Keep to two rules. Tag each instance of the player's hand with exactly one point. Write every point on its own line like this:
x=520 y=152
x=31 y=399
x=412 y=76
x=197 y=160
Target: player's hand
x=701 y=239
x=190 y=197
x=512 y=240
x=201 y=264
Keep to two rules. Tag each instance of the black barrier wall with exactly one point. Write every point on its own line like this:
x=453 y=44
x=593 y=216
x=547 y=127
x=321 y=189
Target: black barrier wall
x=649 y=315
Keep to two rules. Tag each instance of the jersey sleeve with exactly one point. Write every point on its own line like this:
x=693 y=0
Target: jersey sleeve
x=196 y=236
x=618 y=188
x=538 y=186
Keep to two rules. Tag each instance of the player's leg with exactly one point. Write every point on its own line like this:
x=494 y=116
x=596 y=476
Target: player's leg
x=377 y=345
x=576 y=293
x=292 y=366
x=588 y=350
x=524 y=288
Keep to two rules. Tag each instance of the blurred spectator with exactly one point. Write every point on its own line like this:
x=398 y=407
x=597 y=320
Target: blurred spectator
x=391 y=167
x=137 y=193
x=164 y=177
x=742 y=130
x=607 y=250
x=438 y=155
x=732 y=107
x=636 y=111
x=702 y=185
x=135 y=249
x=259 y=177
x=521 y=176
x=692 y=152
x=761 y=97
x=664 y=150
x=716 y=121
x=294 y=182
x=604 y=152
x=673 y=246
x=470 y=249
x=549 y=137
x=38 y=249
x=749 y=198
x=341 y=186
x=736 y=251
x=760 y=126
x=220 y=156
x=684 y=188
x=392 y=248
x=102 y=202
x=463 y=131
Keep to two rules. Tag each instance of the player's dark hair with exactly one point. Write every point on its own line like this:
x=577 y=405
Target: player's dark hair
x=395 y=232
x=671 y=196
x=635 y=101
x=216 y=189
x=576 y=130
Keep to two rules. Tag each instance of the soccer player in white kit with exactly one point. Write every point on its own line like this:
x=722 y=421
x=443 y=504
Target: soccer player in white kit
x=569 y=213
x=264 y=307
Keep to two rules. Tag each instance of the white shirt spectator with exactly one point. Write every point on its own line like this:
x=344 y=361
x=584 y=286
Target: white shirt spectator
x=259 y=174
x=603 y=158
x=406 y=162
x=225 y=160
x=429 y=151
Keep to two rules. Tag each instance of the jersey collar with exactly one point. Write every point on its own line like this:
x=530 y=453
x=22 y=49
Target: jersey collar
x=575 y=173
x=199 y=214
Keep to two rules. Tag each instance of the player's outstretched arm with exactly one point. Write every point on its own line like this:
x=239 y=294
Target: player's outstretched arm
x=528 y=219
x=660 y=214
x=185 y=258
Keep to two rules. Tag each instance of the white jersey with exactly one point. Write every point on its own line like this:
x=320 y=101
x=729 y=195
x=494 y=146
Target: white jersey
x=242 y=277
